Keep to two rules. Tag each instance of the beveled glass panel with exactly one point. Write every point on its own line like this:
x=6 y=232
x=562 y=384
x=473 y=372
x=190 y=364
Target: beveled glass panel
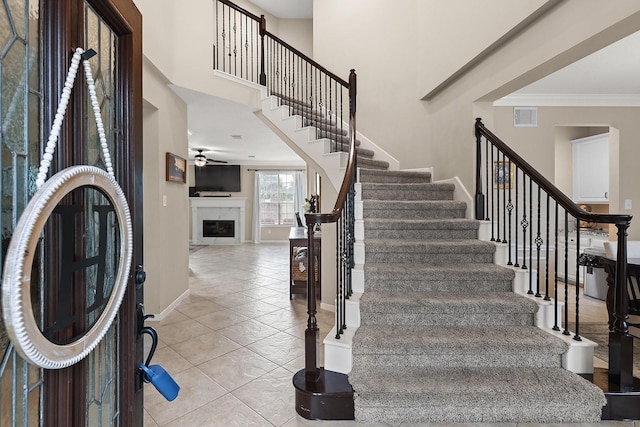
x=13 y=96
x=102 y=367
x=20 y=383
x=18 y=12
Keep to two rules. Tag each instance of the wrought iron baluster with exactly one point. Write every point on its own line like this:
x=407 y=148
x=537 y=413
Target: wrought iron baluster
x=577 y=334
x=524 y=223
x=555 y=275
x=493 y=206
x=530 y=291
x=241 y=46
x=509 y=209
x=566 y=274
x=487 y=175
x=539 y=242
x=340 y=290
x=496 y=187
x=546 y=286
x=515 y=216
x=235 y=45
x=216 y=49
x=506 y=181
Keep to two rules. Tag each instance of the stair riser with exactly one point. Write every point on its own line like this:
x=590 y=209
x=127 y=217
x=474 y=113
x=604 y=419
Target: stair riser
x=400 y=194
x=474 y=414
x=372 y=164
x=340 y=139
x=419 y=285
x=420 y=234
x=456 y=357
x=393 y=179
x=427 y=258
x=441 y=319
x=369 y=212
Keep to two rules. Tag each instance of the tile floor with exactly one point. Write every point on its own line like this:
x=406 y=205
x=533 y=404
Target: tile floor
x=235 y=343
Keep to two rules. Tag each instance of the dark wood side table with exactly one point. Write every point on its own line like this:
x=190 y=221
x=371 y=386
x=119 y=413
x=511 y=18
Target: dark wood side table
x=298 y=269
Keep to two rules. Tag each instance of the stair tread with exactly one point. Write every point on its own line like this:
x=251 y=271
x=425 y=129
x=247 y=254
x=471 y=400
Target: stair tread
x=422 y=204
x=419 y=339
x=471 y=271
x=441 y=302
x=421 y=224
x=485 y=386
x=415 y=186
x=429 y=246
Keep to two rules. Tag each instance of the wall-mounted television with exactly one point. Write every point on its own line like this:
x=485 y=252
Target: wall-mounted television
x=218 y=178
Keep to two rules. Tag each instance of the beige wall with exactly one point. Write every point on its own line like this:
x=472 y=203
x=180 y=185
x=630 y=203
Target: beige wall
x=403 y=53
x=547 y=147
x=178 y=38
x=166 y=251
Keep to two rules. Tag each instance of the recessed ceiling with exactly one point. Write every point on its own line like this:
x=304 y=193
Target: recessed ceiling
x=287 y=9
x=226 y=130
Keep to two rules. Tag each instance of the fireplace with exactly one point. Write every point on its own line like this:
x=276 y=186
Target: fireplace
x=226 y=214
x=218 y=228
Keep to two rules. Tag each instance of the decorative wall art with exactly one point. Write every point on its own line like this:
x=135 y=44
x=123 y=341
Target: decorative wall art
x=176 y=168
x=503 y=174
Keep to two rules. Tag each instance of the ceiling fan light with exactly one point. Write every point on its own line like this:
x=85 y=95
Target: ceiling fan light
x=200 y=160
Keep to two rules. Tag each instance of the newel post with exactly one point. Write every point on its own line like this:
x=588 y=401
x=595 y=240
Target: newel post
x=479 y=194
x=311 y=334
x=263 y=31
x=620 y=342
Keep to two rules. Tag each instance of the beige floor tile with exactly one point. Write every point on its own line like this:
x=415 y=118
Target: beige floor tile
x=196 y=390
x=271 y=396
x=255 y=308
x=198 y=306
x=248 y=332
x=280 y=319
x=205 y=347
x=232 y=300
x=222 y=319
x=237 y=368
x=170 y=360
x=279 y=348
x=260 y=293
x=227 y=411
x=148 y=421
x=181 y=331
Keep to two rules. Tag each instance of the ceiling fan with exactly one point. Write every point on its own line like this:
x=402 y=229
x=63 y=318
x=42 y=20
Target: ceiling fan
x=201 y=160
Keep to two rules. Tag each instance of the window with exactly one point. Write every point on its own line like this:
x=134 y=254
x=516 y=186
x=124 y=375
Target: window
x=277 y=198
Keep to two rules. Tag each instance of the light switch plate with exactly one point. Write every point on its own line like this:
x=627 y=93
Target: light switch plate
x=627 y=204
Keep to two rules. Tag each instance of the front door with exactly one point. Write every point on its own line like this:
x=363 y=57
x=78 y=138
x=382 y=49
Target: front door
x=104 y=388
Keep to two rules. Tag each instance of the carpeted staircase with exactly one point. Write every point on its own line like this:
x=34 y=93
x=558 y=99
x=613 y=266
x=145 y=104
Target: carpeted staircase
x=443 y=338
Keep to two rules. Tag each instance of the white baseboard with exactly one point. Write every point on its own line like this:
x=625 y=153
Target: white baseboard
x=160 y=316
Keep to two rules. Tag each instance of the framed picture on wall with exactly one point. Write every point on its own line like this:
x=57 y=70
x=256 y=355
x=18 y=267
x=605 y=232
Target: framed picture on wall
x=503 y=174
x=176 y=168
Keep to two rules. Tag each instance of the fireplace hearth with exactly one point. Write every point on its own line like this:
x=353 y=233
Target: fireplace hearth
x=218 y=228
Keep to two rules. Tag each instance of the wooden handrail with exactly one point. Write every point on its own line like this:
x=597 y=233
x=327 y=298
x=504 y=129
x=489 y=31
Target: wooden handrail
x=562 y=199
x=307 y=59
x=241 y=10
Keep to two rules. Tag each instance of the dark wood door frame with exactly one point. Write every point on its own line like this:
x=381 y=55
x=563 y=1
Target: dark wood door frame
x=62 y=32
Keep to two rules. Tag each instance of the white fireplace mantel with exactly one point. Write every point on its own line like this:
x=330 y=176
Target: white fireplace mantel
x=217 y=208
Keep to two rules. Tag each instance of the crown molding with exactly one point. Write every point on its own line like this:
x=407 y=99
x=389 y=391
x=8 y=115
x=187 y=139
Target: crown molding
x=568 y=100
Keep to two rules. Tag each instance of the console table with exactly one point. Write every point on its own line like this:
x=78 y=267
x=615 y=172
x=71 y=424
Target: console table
x=298 y=267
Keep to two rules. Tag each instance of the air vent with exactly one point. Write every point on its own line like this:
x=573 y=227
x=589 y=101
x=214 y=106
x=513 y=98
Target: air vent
x=525 y=117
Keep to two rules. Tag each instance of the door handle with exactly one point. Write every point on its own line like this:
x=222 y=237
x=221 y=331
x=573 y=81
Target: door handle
x=140 y=276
